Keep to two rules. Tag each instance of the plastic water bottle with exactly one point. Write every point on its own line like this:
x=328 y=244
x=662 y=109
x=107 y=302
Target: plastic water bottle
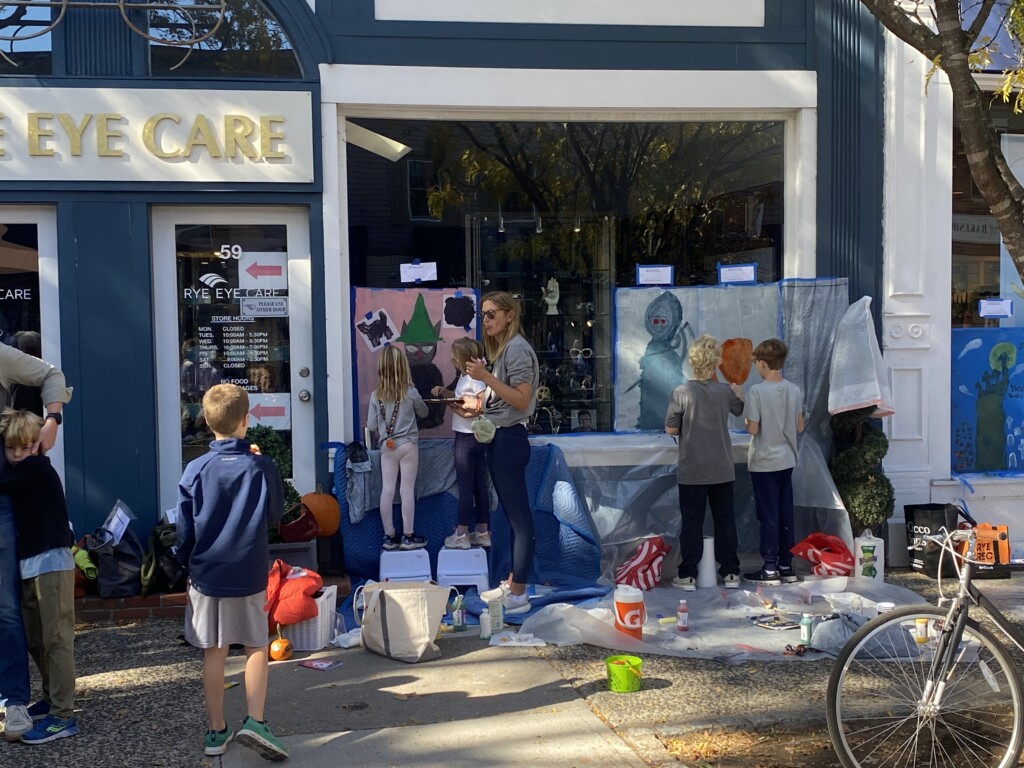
x=485 y=624
x=683 y=617
x=459 y=614
x=497 y=611
x=806 y=629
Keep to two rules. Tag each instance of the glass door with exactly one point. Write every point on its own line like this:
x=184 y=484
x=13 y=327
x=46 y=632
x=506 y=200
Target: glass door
x=29 y=299
x=232 y=296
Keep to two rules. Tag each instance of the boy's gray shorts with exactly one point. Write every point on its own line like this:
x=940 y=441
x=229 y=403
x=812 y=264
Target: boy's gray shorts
x=212 y=622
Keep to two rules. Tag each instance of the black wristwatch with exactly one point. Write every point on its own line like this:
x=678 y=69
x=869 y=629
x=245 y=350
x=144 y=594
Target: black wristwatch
x=56 y=417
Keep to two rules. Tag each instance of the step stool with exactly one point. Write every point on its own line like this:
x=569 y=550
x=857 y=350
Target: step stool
x=405 y=565
x=463 y=566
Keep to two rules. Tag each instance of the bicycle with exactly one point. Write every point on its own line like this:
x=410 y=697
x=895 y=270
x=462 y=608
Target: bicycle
x=930 y=686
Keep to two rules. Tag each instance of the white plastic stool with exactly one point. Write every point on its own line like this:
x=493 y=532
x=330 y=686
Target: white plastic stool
x=405 y=565
x=462 y=567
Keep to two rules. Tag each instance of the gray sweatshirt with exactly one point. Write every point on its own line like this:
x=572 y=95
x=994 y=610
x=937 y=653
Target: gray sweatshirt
x=409 y=408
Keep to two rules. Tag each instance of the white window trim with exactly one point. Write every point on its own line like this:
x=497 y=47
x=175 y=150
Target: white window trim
x=437 y=93
x=655 y=13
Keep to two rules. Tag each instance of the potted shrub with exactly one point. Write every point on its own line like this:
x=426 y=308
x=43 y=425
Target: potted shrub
x=274 y=448
x=856 y=469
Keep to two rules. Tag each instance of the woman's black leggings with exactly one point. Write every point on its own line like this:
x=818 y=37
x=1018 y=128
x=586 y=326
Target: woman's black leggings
x=507 y=457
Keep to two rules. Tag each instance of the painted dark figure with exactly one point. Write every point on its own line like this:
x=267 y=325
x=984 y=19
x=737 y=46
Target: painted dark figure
x=990 y=439
x=421 y=338
x=376 y=331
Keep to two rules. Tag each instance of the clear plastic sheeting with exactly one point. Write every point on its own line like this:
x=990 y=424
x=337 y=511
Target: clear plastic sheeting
x=721 y=621
x=629 y=485
x=857 y=376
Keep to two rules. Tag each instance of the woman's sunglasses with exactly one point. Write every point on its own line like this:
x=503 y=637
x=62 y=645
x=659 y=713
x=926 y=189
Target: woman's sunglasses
x=489 y=314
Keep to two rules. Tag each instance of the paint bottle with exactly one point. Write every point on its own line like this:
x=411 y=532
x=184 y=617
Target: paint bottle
x=806 y=629
x=485 y=624
x=459 y=614
x=682 y=617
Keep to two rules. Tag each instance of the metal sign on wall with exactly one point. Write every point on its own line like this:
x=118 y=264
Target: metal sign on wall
x=100 y=134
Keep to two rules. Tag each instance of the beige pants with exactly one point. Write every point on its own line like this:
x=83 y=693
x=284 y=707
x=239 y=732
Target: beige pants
x=48 y=607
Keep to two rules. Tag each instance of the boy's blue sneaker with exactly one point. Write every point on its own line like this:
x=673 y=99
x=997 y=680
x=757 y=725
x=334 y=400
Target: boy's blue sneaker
x=39 y=710
x=216 y=742
x=256 y=735
x=50 y=728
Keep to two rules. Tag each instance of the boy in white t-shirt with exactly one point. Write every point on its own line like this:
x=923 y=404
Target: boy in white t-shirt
x=774 y=415
x=470 y=454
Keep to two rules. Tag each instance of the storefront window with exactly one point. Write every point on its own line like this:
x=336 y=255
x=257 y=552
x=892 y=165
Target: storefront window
x=233 y=324
x=247 y=43
x=26 y=43
x=561 y=214
x=19 y=286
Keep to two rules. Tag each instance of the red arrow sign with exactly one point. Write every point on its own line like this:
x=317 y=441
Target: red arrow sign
x=264 y=270
x=269 y=411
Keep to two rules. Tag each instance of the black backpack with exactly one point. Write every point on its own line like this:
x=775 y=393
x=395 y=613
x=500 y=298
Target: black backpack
x=161 y=571
x=118 y=564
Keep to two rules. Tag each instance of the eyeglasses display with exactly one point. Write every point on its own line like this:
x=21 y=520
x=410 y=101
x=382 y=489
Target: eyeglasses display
x=586 y=352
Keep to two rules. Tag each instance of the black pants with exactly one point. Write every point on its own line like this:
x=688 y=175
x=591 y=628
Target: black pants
x=507 y=457
x=693 y=501
x=471 y=474
x=773 y=499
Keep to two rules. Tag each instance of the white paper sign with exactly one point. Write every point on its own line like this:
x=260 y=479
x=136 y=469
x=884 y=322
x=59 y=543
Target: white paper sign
x=995 y=307
x=423 y=272
x=654 y=274
x=117 y=521
x=264 y=306
x=737 y=273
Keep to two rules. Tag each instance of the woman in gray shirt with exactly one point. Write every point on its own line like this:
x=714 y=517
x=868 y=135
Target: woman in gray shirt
x=509 y=401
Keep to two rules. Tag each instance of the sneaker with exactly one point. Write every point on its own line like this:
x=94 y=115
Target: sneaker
x=50 y=728
x=216 y=742
x=39 y=710
x=457 y=541
x=256 y=735
x=413 y=541
x=731 y=581
x=17 y=722
x=514 y=604
x=768 y=578
x=685 y=583
x=480 y=539
x=391 y=542
x=788 y=576
x=497 y=593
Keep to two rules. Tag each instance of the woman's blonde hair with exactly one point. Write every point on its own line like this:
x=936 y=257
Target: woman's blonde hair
x=466 y=349
x=393 y=375
x=510 y=305
x=20 y=428
x=705 y=355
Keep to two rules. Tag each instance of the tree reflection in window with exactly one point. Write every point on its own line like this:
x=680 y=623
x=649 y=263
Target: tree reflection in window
x=249 y=42
x=25 y=40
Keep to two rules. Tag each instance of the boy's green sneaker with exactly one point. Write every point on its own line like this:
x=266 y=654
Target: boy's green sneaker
x=216 y=742
x=256 y=735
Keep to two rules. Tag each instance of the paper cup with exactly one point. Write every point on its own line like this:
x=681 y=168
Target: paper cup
x=885 y=607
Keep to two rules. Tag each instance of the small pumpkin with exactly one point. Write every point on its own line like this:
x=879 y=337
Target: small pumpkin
x=281 y=648
x=325 y=510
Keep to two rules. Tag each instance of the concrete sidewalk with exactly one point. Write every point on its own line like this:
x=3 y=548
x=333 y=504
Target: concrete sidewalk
x=476 y=705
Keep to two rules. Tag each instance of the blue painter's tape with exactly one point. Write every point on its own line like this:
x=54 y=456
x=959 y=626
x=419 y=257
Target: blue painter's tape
x=369 y=315
x=415 y=261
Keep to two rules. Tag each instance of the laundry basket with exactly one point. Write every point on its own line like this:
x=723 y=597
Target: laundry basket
x=314 y=634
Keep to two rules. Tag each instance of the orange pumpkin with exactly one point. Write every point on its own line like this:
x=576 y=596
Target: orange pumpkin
x=281 y=648
x=325 y=509
x=737 y=357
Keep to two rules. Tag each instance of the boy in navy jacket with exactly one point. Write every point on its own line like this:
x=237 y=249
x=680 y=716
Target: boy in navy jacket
x=226 y=499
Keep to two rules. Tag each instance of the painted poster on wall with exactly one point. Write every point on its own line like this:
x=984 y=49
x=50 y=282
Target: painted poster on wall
x=423 y=322
x=988 y=400
x=655 y=328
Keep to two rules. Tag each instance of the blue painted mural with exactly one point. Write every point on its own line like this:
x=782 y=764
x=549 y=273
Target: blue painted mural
x=987 y=417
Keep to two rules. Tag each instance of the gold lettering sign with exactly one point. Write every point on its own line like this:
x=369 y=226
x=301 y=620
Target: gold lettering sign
x=73 y=131
x=237 y=130
x=202 y=135
x=105 y=133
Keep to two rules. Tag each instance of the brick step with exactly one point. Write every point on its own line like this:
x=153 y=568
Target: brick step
x=92 y=609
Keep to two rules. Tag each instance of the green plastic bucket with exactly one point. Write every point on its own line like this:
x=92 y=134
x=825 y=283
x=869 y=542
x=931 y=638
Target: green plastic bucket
x=624 y=673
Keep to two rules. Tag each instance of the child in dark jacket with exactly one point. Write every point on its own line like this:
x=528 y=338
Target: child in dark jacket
x=226 y=499
x=47 y=573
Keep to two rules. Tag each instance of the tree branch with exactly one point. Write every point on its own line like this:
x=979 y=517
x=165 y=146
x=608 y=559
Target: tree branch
x=898 y=22
x=979 y=21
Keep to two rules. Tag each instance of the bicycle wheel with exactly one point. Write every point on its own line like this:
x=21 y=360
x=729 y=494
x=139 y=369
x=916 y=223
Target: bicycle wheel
x=874 y=705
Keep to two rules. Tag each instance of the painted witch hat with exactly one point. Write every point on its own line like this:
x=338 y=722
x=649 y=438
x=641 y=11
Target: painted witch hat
x=419 y=329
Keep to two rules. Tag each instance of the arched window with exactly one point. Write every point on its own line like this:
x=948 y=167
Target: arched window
x=26 y=42
x=245 y=41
